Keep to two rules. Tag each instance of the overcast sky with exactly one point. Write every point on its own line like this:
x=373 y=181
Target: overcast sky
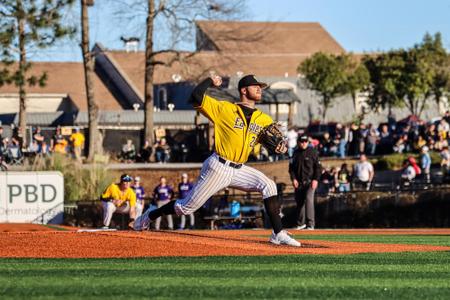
x=358 y=25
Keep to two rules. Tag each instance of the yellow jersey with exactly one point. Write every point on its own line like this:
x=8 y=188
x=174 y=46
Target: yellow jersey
x=77 y=139
x=234 y=139
x=113 y=192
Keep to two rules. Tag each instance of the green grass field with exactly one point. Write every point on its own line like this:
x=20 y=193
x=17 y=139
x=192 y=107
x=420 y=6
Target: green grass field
x=360 y=276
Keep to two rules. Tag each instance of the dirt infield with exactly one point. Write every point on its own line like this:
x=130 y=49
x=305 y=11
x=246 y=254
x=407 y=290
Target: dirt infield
x=37 y=241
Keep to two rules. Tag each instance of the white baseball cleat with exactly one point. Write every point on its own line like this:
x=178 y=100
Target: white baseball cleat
x=142 y=222
x=283 y=238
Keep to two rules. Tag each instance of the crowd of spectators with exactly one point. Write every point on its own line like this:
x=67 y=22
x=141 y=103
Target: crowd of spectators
x=405 y=136
x=13 y=151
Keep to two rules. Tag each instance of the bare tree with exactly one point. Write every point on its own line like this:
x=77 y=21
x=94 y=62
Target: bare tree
x=174 y=18
x=27 y=25
x=95 y=142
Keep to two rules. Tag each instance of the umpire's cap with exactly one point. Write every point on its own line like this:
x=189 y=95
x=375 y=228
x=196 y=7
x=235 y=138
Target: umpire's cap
x=126 y=178
x=249 y=80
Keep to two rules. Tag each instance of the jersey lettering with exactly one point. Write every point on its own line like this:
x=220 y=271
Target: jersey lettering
x=238 y=123
x=254 y=128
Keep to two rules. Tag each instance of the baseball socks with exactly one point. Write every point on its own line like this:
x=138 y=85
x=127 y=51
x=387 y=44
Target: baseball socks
x=273 y=211
x=168 y=209
x=279 y=236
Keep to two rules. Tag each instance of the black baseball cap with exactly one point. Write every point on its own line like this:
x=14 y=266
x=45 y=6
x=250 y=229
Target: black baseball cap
x=303 y=138
x=126 y=178
x=249 y=80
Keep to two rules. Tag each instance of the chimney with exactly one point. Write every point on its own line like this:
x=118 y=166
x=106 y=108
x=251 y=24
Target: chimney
x=131 y=43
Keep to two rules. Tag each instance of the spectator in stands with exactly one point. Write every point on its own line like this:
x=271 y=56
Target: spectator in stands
x=425 y=164
x=162 y=194
x=327 y=181
x=385 y=144
x=15 y=155
x=3 y=165
x=38 y=138
x=4 y=146
x=354 y=139
x=401 y=145
x=341 y=134
x=162 y=151
x=128 y=153
x=410 y=171
x=119 y=198
x=372 y=140
x=363 y=173
x=184 y=188
x=1 y=136
x=343 y=179
x=292 y=136
x=445 y=161
x=33 y=149
x=58 y=143
x=146 y=152
x=326 y=145
x=45 y=149
x=140 y=195
x=447 y=117
x=441 y=142
x=17 y=136
x=77 y=140
x=420 y=143
x=431 y=133
x=443 y=128
x=362 y=136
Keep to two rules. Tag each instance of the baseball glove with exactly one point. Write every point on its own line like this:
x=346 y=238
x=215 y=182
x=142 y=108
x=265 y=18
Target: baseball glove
x=272 y=139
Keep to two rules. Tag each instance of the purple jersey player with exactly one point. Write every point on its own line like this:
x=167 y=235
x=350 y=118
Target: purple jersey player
x=162 y=194
x=140 y=194
x=184 y=188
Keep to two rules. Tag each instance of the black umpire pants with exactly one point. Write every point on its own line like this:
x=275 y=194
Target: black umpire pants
x=304 y=196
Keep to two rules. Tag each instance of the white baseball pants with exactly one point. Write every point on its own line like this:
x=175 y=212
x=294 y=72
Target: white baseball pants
x=216 y=176
x=109 y=209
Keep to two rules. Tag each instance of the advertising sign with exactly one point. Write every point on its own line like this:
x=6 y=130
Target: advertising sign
x=31 y=197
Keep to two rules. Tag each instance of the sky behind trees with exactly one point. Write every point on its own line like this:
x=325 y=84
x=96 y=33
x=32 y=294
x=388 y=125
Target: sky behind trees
x=358 y=25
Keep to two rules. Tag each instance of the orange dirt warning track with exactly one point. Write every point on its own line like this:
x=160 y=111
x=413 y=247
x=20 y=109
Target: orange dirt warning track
x=37 y=241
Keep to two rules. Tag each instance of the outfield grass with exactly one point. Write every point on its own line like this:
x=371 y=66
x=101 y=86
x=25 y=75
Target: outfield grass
x=361 y=276
x=436 y=240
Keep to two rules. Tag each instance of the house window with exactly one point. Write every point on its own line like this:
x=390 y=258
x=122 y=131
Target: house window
x=162 y=98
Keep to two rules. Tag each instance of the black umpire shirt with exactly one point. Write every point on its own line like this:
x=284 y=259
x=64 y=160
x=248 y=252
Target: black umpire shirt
x=305 y=166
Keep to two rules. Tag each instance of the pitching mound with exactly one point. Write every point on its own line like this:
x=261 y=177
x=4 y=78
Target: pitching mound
x=52 y=242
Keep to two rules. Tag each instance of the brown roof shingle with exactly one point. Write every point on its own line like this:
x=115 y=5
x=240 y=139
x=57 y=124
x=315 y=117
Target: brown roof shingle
x=201 y=63
x=68 y=78
x=269 y=37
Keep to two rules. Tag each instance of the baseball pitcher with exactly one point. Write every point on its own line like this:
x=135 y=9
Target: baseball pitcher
x=238 y=127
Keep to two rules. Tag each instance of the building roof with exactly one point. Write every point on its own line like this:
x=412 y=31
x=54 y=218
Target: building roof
x=106 y=118
x=268 y=37
x=39 y=118
x=200 y=64
x=136 y=118
x=275 y=54
x=68 y=78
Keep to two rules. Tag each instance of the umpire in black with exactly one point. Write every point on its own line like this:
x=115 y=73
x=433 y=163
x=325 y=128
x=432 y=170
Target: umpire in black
x=305 y=170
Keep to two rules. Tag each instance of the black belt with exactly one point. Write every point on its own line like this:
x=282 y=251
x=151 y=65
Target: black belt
x=231 y=164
